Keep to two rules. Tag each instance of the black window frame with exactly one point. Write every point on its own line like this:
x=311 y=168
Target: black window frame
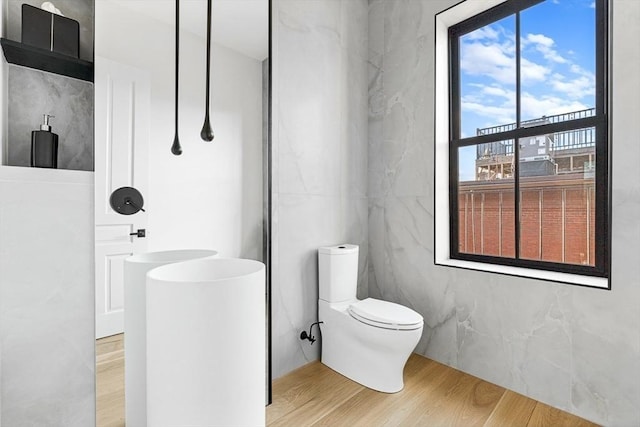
x=600 y=121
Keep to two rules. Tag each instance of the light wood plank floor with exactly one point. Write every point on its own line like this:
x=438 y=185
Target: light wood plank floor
x=110 y=381
x=314 y=395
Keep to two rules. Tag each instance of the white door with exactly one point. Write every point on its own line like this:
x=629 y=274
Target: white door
x=122 y=103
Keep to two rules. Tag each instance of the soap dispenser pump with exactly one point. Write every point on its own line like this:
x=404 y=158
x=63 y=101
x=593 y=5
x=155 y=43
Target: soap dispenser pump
x=44 y=146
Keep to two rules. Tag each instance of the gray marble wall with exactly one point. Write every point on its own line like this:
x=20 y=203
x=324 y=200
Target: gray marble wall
x=575 y=348
x=319 y=158
x=32 y=93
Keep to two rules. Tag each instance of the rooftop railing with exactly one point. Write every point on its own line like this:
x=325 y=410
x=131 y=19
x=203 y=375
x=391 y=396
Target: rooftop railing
x=572 y=139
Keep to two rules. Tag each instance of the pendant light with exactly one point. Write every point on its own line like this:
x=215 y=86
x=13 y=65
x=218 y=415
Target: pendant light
x=176 y=149
x=207 y=133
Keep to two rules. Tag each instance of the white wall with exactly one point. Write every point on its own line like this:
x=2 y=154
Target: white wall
x=46 y=297
x=574 y=348
x=211 y=195
x=319 y=151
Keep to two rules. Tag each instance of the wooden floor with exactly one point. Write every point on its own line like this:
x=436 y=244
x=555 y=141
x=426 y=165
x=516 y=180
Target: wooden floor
x=110 y=381
x=314 y=395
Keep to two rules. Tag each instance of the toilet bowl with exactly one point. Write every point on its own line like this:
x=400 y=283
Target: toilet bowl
x=368 y=341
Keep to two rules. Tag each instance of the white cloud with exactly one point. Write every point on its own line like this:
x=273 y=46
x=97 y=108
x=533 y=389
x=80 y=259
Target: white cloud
x=577 y=85
x=530 y=71
x=499 y=115
x=575 y=68
x=575 y=89
x=540 y=39
x=495 y=59
x=496 y=105
x=491 y=60
x=544 y=45
x=498 y=91
x=534 y=106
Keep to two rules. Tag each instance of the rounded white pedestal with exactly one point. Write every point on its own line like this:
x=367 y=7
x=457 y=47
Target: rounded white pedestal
x=135 y=353
x=206 y=343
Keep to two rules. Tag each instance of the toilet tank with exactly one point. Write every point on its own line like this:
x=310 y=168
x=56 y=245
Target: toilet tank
x=338 y=273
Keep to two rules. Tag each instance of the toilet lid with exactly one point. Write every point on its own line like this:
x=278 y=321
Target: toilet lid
x=385 y=314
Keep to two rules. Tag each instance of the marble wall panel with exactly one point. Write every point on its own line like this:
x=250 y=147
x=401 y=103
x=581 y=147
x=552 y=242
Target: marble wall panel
x=354 y=138
x=606 y=330
x=32 y=93
x=375 y=21
x=311 y=221
x=320 y=158
x=309 y=56
x=410 y=281
x=376 y=181
x=354 y=34
x=508 y=339
x=376 y=246
x=355 y=229
x=405 y=103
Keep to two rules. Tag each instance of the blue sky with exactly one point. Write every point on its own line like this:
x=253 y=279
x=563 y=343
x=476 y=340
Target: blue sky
x=557 y=68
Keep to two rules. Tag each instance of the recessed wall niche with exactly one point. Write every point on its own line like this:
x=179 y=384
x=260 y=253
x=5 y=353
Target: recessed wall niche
x=32 y=93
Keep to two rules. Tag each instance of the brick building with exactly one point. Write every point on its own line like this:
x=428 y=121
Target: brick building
x=557 y=196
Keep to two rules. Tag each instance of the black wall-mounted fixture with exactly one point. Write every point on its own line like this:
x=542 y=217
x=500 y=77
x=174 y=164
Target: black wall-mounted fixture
x=176 y=149
x=304 y=335
x=126 y=201
x=207 y=133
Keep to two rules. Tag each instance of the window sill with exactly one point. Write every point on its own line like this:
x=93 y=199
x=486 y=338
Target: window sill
x=552 y=276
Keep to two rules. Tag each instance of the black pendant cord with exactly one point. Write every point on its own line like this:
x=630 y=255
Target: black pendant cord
x=207 y=133
x=176 y=149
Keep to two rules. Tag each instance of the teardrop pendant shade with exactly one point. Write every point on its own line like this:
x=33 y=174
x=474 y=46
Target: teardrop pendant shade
x=206 y=133
x=176 y=149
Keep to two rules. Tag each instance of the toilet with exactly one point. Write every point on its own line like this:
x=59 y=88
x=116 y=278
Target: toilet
x=369 y=340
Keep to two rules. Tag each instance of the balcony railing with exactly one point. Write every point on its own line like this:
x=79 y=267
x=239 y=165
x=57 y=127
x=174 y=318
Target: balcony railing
x=573 y=139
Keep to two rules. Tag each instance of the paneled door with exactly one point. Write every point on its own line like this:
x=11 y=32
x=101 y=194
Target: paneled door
x=122 y=103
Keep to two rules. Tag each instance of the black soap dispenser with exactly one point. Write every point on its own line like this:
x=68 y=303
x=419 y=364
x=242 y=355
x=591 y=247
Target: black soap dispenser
x=44 y=146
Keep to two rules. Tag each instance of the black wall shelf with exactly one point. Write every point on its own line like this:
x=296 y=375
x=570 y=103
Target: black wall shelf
x=40 y=59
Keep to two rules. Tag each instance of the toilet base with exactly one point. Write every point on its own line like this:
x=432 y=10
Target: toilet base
x=393 y=384
x=371 y=356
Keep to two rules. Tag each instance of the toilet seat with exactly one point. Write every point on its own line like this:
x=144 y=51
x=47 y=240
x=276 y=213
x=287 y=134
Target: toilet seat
x=385 y=314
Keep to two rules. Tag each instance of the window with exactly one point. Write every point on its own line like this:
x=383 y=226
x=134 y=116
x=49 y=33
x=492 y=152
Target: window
x=528 y=148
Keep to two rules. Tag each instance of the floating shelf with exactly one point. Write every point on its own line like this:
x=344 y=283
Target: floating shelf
x=41 y=59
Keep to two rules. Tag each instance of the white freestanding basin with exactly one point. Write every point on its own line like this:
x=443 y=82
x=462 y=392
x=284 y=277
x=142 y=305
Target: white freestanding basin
x=206 y=343
x=135 y=337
